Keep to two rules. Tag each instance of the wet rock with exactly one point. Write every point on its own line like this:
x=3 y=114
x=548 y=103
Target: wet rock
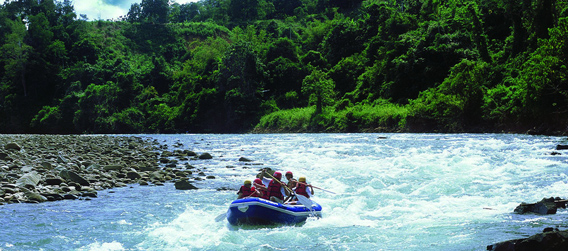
x=549 y=240
x=53 y=197
x=3 y=156
x=32 y=196
x=189 y=153
x=545 y=206
x=243 y=159
x=562 y=147
x=143 y=183
x=70 y=197
x=205 y=156
x=89 y=194
x=53 y=181
x=133 y=175
x=70 y=175
x=210 y=177
x=184 y=185
x=12 y=146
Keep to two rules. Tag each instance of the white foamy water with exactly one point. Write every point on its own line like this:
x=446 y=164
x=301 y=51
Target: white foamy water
x=402 y=192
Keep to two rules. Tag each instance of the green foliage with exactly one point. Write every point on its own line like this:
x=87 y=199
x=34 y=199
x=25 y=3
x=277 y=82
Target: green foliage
x=226 y=66
x=319 y=89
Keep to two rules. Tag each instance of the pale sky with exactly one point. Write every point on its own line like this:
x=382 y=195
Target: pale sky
x=106 y=9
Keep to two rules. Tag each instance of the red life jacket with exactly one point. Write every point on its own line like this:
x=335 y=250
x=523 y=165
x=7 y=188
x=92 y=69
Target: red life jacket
x=302 y=189
x=274 y=190
x=262 y=189
x=245 y=191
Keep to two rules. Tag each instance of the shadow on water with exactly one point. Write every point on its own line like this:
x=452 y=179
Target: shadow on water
x=262 y=226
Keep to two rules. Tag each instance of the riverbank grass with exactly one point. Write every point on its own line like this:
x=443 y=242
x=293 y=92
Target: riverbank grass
x=358 y=118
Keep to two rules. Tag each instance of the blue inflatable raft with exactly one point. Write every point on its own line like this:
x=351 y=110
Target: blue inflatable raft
x=256 y=211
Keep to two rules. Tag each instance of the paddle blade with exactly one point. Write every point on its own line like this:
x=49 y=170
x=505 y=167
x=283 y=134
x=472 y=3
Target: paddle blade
x=221 y=217
x=305 y=201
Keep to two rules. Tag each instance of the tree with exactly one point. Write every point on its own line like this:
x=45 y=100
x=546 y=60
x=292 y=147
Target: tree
x=243 y=10
x=15 y=53
x=134 y=14
x=319 y=88
x=155 y=11
x=241 y=78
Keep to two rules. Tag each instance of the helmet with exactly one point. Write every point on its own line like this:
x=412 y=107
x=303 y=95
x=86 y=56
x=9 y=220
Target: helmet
x=302 y=179
x=247 y=182
x=277 y=175
x=289 y=173
x=258 y=181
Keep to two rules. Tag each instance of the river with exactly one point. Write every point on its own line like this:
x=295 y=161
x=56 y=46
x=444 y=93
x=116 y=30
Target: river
x=393 y=192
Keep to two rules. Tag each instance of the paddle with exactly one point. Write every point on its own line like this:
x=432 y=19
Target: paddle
x=284 y=185
x=221 y=217
x=316 y=187
x=305 y=201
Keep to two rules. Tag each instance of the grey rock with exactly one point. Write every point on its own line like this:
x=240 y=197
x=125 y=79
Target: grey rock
x=243 y=159
x=34 y=196
x=12 y=146
x=29 y=179
x=184 y=185
x=53 y=181
x=133 y=175
x=70 y=197
x=112 y=168
x=70 y=175
x=205 y=156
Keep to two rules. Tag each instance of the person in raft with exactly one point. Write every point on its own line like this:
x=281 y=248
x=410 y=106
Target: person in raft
x=255 y=193
x=245 y=190
x=291 y=181
x=260 y=188
x=303 y=188
x=275 y=190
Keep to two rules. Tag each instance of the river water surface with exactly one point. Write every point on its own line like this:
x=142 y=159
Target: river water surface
x=393 y=192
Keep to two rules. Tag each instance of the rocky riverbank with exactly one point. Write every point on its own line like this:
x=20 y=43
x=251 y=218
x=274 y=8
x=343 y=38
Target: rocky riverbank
x=39 y=168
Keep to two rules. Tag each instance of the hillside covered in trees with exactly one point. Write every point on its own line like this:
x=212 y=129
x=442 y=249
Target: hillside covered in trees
x=286 y=65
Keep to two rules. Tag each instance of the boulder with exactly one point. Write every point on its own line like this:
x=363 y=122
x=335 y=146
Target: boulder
x=12 y=146
x=205 y=156
x=562 y=147
x=72 y=176
x=3 y=156
x=148 y=168
x=157 y=175
x=70 y=197
x=53 y=181
x=243 y=159
x=184 y=185
x=549 y=240
x=53 y=197
x=29 y=179
x=34 y=196
x=133 y=175
x=89 y=194
x=545 y=206
x=112 y=168
x=189 y=153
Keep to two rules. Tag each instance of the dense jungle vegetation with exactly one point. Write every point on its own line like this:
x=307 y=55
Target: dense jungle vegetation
x=286 y=65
